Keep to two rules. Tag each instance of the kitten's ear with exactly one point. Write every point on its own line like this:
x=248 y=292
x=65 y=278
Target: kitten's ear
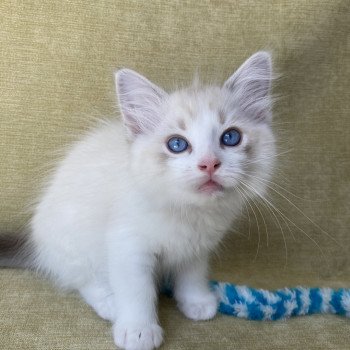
x=139 y=101
x=251 y=85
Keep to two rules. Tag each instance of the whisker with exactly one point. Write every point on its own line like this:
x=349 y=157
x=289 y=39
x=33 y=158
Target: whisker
x=247 y=210
x=264 y=222
x=299 y=228
x=279 y=186
x=278 y=222
x=300 y=211
x=268 y=157
x=285 y=222
x=257 y=225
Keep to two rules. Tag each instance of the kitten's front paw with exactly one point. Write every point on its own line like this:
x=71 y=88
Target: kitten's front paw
x=201 y=309
x=145 y=337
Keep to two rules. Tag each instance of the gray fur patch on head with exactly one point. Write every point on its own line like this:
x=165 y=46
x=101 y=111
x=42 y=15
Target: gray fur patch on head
x=248 y=149
x=222 y=117
x=181 y=124
x=163 y=157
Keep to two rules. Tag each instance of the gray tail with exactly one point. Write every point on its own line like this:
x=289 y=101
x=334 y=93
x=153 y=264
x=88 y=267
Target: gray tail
x=16 y=250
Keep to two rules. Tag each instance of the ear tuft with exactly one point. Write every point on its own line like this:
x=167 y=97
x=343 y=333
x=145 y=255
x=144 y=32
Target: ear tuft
x=139 y=101
x=251 y=86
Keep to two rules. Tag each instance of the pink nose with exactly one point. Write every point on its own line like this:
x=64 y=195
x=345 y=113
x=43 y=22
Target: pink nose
x=209 y=165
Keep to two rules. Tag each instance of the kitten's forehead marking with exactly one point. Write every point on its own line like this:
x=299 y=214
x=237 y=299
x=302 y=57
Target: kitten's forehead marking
x=248 y=149
x=162 y=157
x=196 y=103
x=222 y=117
x=181 y=124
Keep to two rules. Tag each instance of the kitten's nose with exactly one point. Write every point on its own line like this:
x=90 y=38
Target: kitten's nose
x=209 y=165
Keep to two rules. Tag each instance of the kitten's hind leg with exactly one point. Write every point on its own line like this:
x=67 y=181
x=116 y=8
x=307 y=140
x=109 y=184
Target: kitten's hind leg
x=100 y=297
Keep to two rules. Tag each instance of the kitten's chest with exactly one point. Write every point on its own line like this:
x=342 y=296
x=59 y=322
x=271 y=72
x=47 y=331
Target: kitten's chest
x=174 y=234
x=189 y=234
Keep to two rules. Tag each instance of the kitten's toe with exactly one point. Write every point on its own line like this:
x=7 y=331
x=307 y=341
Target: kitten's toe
x=147 y=337
x=202 y=309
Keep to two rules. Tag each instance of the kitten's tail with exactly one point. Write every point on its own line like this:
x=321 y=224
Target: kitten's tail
x=16 y=250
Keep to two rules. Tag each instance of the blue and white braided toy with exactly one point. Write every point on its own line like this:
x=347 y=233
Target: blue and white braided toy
x=259 y=304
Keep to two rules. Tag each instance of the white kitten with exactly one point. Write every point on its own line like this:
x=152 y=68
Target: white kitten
x=153 y=194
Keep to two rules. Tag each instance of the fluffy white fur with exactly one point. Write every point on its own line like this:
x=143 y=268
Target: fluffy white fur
x=121 y=211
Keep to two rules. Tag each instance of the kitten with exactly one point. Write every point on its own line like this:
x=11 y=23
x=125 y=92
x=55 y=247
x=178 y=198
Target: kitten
x=151 y=196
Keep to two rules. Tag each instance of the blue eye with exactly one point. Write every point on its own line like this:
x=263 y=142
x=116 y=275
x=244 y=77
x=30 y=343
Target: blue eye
x=231 y=137
x=177 y=144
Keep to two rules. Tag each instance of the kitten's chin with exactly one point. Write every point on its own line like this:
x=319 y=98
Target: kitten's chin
x=211 y=188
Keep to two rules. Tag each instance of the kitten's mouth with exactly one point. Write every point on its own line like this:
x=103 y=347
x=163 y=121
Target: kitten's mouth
x=210 y=187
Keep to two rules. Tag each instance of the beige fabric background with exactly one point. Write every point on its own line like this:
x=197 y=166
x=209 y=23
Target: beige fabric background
x=56 y=75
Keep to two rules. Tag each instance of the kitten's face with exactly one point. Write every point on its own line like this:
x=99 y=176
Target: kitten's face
x=199 y=145
x=204 y=148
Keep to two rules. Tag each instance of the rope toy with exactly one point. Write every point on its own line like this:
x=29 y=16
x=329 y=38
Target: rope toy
x=259 y=304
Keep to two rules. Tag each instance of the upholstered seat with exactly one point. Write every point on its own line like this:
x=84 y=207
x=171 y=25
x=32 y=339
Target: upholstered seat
x=57 y=60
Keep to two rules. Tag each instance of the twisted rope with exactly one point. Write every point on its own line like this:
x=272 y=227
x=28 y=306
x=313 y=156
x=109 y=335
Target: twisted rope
x=259 y=304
